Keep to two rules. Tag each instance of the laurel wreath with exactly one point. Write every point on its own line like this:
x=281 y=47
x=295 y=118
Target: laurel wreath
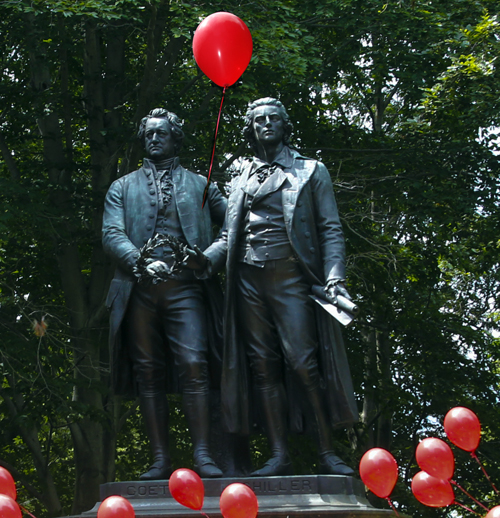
x=179 y=255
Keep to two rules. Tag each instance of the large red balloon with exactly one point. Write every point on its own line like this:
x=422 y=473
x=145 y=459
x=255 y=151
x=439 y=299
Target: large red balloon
x=379 y=471
x=238 y=501
x=432 y=491
x=187 y=488
x=463 y=428
x=222 y=47
x=9 y=508
x=435 y=457
x=7 y=484
x=115 y=507
x=494 y=512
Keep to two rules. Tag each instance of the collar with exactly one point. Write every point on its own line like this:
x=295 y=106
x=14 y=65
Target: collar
x=147 y=163
x=284 y=159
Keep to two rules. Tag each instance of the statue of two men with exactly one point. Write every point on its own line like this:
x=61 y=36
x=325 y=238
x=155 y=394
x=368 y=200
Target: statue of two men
x=281 y=235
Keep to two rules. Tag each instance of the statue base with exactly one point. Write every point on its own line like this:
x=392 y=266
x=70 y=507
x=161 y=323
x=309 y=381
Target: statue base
x=312 y=496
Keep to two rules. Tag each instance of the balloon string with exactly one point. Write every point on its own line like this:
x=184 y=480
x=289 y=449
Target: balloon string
x=466 y=508
x=474 y=456
x=26 y=511
x=393 y=508
x=469 y=495
x=205 y=192
x=205 y=515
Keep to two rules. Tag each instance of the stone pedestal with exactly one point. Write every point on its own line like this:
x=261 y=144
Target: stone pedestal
x=315 y=496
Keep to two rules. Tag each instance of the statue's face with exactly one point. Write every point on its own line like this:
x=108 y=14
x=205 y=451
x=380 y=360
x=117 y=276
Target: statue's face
x=158 y=139
x=268 y=125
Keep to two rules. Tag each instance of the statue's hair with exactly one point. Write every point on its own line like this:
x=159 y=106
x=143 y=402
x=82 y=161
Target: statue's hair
x=175 y=126
x=248 y=132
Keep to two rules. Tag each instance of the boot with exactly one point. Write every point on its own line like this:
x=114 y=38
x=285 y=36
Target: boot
x=273 y=404
x=154 y=410
x=196 y=409
x=329 y=463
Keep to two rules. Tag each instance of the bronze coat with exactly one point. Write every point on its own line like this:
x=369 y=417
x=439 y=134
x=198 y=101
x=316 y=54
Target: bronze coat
x=315 y=233
x=130 y=213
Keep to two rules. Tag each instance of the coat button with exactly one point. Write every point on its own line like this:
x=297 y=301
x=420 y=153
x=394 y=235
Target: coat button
x=303 y=218
x=307 y=234
x=149 y=227
x=148 y=173
x=151 y=216
x=150 y=182
x=151 y=191
x=299 y=204
x=312 y=250
x=153 y=203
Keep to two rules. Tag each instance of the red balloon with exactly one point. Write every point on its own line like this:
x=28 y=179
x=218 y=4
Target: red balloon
x=494 y=512
x=9 y=508
x=222 y=47
x=435 y=457
x=187 y=488
x=238 y=501
x=379 y=471
x=7 y=484
x=115 y=507
x=432 y=491
x=463 y=428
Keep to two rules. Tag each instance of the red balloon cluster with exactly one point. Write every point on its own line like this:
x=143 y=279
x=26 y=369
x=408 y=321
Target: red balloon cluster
x=238 y=501
x=115 y=507
x=378 y=469
x=432 y=485
x=9 y=508
x=222 y=47
x=187 y=488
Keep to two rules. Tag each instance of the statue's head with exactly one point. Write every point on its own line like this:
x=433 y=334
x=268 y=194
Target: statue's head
x=248 y=129
x=174 y=124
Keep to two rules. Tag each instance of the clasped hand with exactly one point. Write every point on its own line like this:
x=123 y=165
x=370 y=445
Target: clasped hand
x=158 y=269
x=195 y=259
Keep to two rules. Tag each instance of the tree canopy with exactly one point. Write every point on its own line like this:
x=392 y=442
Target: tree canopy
x=399 y=100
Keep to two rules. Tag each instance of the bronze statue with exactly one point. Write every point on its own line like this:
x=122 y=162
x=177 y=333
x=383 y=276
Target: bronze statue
x=161 y=335
x=283 y=235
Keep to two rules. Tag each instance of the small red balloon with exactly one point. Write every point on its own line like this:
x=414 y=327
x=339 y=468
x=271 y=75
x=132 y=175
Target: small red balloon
x=463 y=428
x=187 y=488
x=432 y=491
x=115 y=507
x=222 y=47
x=494 y=512
x=379 y=471
x=9 y=508
x=435 y=457
x=7 y=484
x=238 y=501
